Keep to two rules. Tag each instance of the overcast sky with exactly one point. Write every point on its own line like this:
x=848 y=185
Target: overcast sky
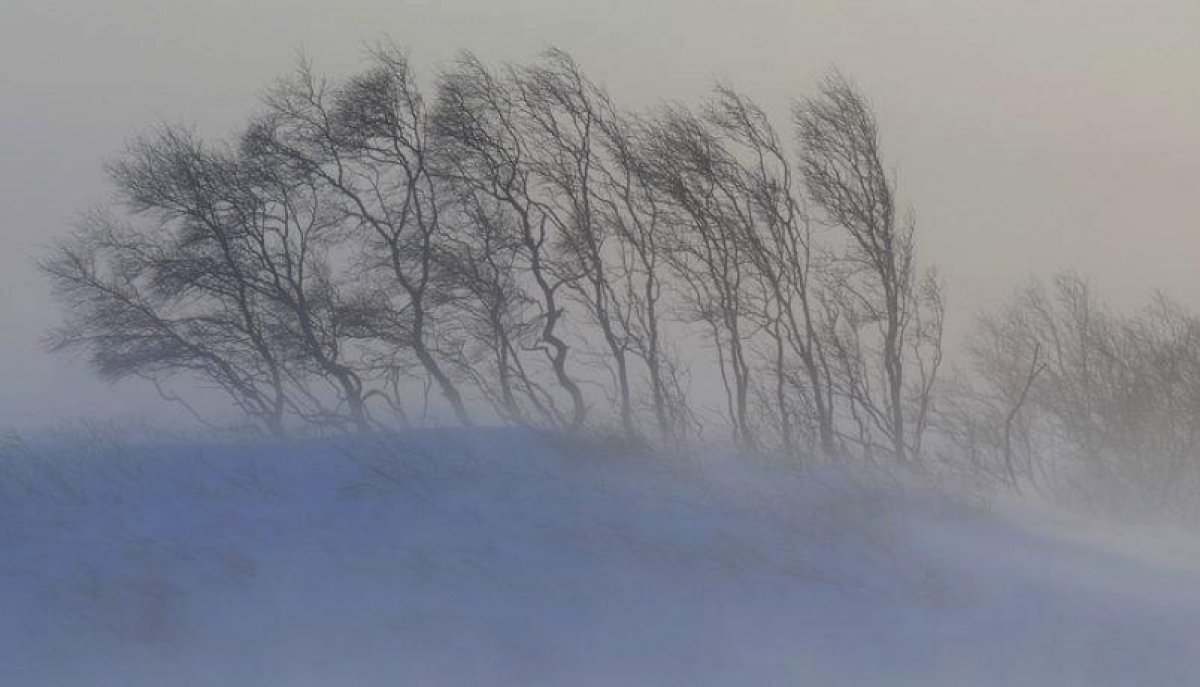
x=1028 y=135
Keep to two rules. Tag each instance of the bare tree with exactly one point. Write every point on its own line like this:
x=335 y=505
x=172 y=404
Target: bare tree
x=293 y=225
x=480 y=264
x=779 y=242
x=518 y=241
x=635 y=210
x=1104 y=404
x=231 y=279
x=691 y=167
x=367 y=142
x=566 y=116
x=876 y=294
x=482 y=125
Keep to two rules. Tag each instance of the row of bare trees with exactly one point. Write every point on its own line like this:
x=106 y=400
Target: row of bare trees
x=517 y=247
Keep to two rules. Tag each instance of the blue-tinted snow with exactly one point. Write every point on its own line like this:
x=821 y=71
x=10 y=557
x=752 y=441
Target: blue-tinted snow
x=503 y=557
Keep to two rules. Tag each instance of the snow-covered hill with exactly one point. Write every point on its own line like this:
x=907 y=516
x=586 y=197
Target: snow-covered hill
x=503 y=557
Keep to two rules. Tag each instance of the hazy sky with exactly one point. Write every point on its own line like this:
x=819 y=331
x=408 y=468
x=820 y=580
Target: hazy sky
x=1028 y=135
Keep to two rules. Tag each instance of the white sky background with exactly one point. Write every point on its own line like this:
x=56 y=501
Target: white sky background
x=1028 y=135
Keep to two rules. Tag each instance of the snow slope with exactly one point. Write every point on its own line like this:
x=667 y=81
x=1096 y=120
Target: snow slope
x=503 y=557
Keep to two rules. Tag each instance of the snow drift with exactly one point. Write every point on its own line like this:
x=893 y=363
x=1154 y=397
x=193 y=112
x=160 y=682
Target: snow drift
x=506 y=557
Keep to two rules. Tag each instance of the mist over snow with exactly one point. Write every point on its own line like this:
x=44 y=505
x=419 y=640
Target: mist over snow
x=443 y=344
x=511 y=557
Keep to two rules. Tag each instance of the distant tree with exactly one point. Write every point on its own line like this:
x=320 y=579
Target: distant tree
x=1069 y=394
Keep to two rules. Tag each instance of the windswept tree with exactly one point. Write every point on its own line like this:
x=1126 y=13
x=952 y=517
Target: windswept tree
x=778 y=240
x=637 y=213
x=366 y=141
x=743 y=247
x=520 y=247
x=882 y=317
x=228 y=277
x=483 y=124
x=698 y=176
x=565 y=115
x=128 y=326
x=1068 y=394
x=494 y=316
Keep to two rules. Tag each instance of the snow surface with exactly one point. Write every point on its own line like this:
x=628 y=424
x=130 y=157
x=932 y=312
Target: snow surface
x=504 y=557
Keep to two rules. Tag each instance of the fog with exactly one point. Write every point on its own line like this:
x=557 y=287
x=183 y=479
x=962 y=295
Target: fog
x=1027 y=137
x=1042 y=533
